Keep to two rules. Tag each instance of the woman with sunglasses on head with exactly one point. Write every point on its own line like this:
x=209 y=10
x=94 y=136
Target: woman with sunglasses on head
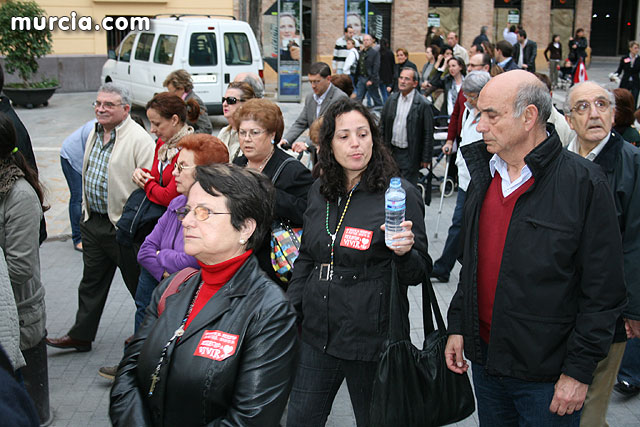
x=236 y=94
x=342 y=278
x=162 y=252
x=220 y=350
x=260 y=125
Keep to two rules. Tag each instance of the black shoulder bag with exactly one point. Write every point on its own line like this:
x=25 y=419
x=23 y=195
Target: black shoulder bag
x=414 y=387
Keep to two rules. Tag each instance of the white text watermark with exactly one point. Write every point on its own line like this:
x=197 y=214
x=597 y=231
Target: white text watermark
x=74 y=22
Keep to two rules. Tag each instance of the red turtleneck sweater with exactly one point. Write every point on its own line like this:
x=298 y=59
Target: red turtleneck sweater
x=214 y=277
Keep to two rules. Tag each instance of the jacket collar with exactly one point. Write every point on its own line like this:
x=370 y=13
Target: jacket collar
x=477 y=157
x=607 y=157
x=241 y=284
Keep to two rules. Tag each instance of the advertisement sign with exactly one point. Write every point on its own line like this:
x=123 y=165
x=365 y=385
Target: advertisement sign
x=513 y=17
x=289 y=50
x=433 y=20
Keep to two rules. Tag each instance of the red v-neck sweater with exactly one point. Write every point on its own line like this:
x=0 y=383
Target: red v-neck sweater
x=214 y=277
x=495 y=217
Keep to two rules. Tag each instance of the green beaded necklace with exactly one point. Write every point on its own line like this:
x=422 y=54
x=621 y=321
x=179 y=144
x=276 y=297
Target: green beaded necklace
x=334 y=234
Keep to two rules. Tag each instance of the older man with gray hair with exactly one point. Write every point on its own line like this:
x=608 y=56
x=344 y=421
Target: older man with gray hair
x=114 y=149
x=541 y=285
x=589 y=109
x=253 y=80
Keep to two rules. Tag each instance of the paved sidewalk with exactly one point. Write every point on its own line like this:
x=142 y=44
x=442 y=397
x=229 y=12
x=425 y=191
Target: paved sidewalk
x=79 y=397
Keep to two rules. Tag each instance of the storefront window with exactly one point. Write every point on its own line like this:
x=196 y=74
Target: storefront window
x=445 y=16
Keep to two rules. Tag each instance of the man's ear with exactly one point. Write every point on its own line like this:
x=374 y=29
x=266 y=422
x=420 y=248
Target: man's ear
x=530 y=117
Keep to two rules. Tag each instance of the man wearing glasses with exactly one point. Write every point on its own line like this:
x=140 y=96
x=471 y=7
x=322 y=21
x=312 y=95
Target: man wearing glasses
x=115 y=148
x=316 y=103
x=541 y=285
x=590 y=113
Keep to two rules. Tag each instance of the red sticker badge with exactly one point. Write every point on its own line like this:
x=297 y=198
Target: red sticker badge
x=217 y=345
x=356 y=238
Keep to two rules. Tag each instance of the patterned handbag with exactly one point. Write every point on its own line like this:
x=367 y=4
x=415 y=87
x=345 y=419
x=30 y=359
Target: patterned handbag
x=285 y=246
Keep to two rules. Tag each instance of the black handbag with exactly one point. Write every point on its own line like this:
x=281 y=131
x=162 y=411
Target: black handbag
x=139 y=216
x=414 y=387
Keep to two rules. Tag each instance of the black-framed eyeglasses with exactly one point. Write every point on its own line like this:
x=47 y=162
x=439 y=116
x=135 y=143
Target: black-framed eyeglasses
x=582 y=107
x=232 y=99
x=181 y=166
x=107 y=105
x=202 y=213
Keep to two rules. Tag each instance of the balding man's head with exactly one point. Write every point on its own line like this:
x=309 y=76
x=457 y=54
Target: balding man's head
x=514 y=107
x=253 y=80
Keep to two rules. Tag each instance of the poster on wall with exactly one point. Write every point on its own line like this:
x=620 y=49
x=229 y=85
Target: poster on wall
x=433 y=20
x=513 y=17
x=376 y=23
x=289 y=50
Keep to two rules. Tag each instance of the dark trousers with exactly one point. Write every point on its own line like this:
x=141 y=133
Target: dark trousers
x=372 y=90
x=74 y=181
x=447 y=260
x=506 y=401
x=405 y=164
x=101 y=255
x=146 y=285
x=630 y=366
x=318 y=378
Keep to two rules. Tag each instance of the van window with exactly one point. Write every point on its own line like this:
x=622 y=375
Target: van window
x=127 y=46
x=202 y=49
x=237 y=50
x=143 y=50
x=165 y=48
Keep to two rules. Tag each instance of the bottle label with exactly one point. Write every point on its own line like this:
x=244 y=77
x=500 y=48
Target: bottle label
x=356 y=238
x=395 y=205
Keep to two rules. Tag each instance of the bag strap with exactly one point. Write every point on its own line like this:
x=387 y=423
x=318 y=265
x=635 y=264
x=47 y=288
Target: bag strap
x=395 y=334
x=280 y=168
x=430 y=305
x=180 y=277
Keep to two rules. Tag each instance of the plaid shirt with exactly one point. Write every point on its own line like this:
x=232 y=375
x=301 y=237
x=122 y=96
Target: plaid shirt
x=97 y=174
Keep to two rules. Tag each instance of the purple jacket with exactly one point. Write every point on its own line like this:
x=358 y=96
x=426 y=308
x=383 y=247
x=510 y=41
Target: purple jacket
x=166 y=237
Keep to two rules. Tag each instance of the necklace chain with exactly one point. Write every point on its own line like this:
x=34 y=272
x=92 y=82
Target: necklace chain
x=264 y=162
x=334 y=234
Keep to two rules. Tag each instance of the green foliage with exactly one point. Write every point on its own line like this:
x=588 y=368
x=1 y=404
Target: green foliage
x=22 y=48
x=36 y=85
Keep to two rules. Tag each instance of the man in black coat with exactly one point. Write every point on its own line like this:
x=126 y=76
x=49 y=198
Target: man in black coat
x=368 y=72
x=525 y=52
x=629 y=70
x=590 y=112
x=406 y=125
x=542 y=283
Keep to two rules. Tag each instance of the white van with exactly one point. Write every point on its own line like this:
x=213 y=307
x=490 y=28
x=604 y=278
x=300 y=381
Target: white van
x=213 y=51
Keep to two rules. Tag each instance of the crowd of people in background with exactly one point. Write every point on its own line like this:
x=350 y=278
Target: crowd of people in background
x=545 y=223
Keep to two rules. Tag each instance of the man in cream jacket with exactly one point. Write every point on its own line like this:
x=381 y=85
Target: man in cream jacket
x=115 y=148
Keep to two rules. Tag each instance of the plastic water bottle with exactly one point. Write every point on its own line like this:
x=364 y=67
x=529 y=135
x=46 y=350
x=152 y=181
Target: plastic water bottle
x=394 y=207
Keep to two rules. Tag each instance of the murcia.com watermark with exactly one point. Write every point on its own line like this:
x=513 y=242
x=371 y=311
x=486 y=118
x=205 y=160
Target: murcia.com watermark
x=74 y=22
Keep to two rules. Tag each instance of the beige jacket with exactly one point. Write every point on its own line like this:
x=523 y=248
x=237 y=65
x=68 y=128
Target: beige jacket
x=134 y=148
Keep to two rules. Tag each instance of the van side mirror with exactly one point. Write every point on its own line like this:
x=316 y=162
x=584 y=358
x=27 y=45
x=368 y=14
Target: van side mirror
x=111 y=54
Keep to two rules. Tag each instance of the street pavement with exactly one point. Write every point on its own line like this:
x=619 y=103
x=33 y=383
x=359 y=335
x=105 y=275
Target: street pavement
x=79 y=397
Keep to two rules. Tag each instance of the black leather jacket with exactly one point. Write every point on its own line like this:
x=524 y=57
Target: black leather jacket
x=560 y=288
x=249 y=387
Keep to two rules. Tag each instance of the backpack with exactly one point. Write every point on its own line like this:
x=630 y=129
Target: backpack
x=354 y=67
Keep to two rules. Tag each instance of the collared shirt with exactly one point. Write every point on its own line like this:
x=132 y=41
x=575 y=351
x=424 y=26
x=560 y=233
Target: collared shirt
x=503 y=63
x=496 y=164
x=96 y=176
x=399 y=135
x=574 y=147
x=468 y=134
x=320 y=99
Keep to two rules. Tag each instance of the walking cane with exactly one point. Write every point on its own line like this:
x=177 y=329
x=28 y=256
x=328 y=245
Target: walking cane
x=443 y=189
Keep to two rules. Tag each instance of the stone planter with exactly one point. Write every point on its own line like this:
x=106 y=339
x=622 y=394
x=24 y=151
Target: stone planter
x=29 y=97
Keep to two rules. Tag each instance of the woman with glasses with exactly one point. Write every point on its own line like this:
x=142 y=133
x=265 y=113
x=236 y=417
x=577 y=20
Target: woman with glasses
x=236 y=94
x=162 y=252
x=221 y=350
x=260 y=125
x=342 y=278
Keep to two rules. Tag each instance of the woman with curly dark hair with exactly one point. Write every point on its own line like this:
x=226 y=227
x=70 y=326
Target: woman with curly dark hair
x=342 y=277
x=624 y=117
